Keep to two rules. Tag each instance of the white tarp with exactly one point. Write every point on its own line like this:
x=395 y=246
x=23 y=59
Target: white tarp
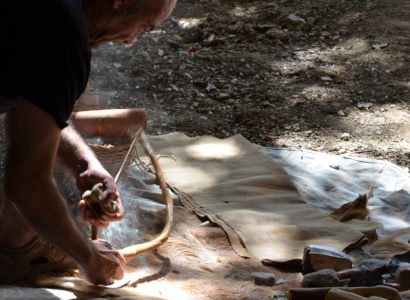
x=328 y=181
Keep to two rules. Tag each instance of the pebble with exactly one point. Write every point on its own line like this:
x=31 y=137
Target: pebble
x=403 y=275
x=311 y=20
x=294 y=23
x=364 y=105
x=345 y=136
x=277 y=34
x=341 y=151
x=322 y=278
x=326 y=78
x=262 y=278
x=222 y=96
x=366 y=278
x=371 y=264
x=325 y=34
x=174 y=44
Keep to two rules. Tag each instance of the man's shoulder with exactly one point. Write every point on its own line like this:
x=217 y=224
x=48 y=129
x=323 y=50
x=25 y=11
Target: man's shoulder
x=53 y=22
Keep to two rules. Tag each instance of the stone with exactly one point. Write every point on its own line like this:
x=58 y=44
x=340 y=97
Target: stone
x=338 y=294
x=234 y=28
x=316 y=257
x=366 y=278
x=222 y=96
x=396 y=261
x=359 y=253
x=345 y=136
x=174 y=44
x=403 y=275
x=277 y=34
x=322 y=278
x=371 y=264
x=384 y=292
x=364 y=105
x=326 y=78
x=294 y=23
x=325 y=34
x=262 y=278
x=307 y=27
x=311 y=20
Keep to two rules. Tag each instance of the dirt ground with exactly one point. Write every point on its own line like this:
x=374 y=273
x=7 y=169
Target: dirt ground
x=339 y=85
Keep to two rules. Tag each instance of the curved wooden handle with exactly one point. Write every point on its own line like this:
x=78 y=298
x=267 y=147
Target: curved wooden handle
x=132 y=251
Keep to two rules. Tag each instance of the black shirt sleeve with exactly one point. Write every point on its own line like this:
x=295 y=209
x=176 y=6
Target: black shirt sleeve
x=45 y=54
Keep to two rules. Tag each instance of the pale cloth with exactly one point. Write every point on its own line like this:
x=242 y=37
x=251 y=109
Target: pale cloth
x=249 y=195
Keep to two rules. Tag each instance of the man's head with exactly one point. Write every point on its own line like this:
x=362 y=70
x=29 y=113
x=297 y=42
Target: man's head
x=123 y=20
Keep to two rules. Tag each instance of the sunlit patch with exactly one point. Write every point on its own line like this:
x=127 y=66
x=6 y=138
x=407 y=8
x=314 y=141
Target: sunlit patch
x=60 y=294
x=216 y=151
x=190 y=23
x=240 y=11
x=194 y=176
x=157 y=32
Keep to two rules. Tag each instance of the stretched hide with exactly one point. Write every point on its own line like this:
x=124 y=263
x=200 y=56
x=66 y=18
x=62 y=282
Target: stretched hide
x=250 y=196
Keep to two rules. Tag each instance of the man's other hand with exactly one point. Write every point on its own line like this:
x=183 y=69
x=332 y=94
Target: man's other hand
x=106 y=264
x=86 y=181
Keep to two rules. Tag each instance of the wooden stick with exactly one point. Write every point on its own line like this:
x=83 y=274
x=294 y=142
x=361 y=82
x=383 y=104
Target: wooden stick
x=94 y=233
x=132 y=251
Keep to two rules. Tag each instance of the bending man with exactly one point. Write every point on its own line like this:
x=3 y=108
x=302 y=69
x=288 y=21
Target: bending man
x=44 y=67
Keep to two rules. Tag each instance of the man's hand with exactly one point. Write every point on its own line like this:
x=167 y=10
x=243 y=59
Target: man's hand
x=77 y=157
x=86 y=181
x=106 y=264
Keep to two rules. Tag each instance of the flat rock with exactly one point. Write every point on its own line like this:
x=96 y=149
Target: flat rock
x=366 y=278
x=277 y=34
x=294 y=23
x=338 y=294
x=371 y=264
x=261 y=278
x=322 y=278
x=316 y=257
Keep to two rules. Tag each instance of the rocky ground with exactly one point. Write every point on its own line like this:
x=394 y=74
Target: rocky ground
x=325 y=75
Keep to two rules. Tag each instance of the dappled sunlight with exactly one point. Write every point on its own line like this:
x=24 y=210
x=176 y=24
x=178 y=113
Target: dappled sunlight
x=213 y=151
x=242 y=11
x=198 y=179
x=318 y=93
x=187 y=23
x=197 y=262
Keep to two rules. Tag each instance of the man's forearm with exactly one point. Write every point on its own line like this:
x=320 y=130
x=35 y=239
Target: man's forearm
x=74 y=153
x=47 y=212
x=29 y=184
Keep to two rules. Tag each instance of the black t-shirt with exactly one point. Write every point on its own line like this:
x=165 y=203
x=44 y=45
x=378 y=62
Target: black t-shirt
x=44 y=54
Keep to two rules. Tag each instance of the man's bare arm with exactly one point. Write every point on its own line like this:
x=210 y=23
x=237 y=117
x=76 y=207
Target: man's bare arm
x=29 y=183
x=77 y=157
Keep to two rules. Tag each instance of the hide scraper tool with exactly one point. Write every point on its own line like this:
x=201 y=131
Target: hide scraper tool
x=93 y=197
x=132 y=251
